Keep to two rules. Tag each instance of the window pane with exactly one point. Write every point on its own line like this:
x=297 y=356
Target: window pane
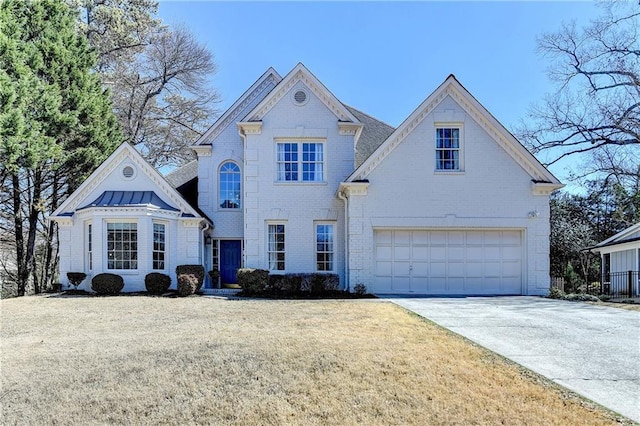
x=324 y=247
x=276 y=247
x=448 y=149
x=158 y=246
x=230 y=186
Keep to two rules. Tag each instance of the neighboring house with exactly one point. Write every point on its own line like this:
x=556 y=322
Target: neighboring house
x=620 y=261
x=291 y=180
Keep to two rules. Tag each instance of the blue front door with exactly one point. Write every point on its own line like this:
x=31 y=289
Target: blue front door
x=230 y=253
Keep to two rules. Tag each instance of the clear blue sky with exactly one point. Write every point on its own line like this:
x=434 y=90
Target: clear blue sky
x=385 y=58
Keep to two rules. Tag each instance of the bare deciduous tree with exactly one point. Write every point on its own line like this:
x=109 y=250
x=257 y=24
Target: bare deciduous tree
x=596 y=106
x=158 y=76
x=163 y=99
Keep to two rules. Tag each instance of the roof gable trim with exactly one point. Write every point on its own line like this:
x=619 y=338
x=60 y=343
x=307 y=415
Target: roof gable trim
x=232 y=114
x=452 y=88
x=123 y=152
x=300 y=73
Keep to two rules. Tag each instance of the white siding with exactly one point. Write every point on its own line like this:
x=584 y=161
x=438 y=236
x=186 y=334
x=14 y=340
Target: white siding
x=492 y=192
x=296 y=204
x=226 y=146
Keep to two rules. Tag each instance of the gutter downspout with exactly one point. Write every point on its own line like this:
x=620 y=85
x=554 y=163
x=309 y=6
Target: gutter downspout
x=346 y=239
x=204 y=246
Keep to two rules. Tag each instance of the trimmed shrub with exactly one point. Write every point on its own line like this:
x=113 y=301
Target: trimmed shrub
x=253 y=281
x=360 y=289
x=188 y=284
x=157 y=283
x=323 y=283
x=76 y=278
x=197 y=270
x=556 y=293
x=296 y=283
x=107 y=284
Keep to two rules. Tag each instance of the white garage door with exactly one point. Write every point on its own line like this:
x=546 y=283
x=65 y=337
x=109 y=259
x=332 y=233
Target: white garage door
x=448 y=262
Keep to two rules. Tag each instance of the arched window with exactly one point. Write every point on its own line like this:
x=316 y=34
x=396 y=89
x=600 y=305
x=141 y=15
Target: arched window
x=230 y=186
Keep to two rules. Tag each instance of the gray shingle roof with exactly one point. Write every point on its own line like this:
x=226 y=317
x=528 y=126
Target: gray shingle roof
x=183 y=174
x=373 y=134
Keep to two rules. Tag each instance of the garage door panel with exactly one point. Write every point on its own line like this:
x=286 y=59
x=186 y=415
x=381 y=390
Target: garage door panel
x=491 y=285
x=384 y=237
x=455 y=285
x=438 y=269
x=437 y=286
x=449 y=261
x=402 y=237
x=511 y=269
x=456 y=253
x=492 y=253
x=475 y=253
x=384 y=268
x=384 y=253
x=475 y=269
x=401 y=269
x=438 y=253
x=438 y=238
x=420 y=252
x=401 y=284
x=511 y=238
x=511 y=253
x=420 y=269
x=456 y=269
x=420 y=238
x=493 y=269
x=475 y=238
x=402 y=253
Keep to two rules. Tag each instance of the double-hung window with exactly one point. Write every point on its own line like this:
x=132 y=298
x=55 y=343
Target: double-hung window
x=276 y=249
x=448 y=148
x=324 y=247
x=300 y=161
x=122 y=245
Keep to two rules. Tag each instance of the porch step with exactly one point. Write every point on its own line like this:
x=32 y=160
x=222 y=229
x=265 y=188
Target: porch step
x=220 y=291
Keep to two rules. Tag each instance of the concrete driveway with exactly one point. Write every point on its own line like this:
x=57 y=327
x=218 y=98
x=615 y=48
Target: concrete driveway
x=592 y=350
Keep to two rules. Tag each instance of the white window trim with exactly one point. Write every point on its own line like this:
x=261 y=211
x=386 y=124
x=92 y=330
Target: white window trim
x=276 y=271
x=166 y=245
x=89 y=241
x=449 y=125
x=219 y=192
x=105 y=242
x=333 y=246
x=300 y=142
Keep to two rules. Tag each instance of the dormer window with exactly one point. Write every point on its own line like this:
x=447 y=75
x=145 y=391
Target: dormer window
x=448 y=149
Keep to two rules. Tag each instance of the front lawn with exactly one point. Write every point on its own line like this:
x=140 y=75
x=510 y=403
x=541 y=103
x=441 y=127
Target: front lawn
x=150 y=360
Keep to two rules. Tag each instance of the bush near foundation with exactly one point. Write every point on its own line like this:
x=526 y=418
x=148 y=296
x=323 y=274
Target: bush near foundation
x=196 y=270
x=105 y=283
x=253 y=281
x=187 y=284
x=157 y=283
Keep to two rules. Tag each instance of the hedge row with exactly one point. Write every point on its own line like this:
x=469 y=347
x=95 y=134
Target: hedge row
x=190 y=280
x=258 y=282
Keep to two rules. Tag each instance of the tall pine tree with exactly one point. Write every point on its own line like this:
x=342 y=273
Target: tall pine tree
x=56 y=127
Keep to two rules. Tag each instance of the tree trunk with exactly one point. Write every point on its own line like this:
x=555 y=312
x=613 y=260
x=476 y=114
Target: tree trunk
x=21 y=265
x=34 y=212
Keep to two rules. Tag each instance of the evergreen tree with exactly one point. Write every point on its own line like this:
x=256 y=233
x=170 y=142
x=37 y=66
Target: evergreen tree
x=56 y=126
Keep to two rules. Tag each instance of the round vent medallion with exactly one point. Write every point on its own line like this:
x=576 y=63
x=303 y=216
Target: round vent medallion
x=128 y=172
x=300 y=97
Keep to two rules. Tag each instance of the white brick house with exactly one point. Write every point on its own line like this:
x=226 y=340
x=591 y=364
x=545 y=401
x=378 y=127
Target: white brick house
x=291 y=180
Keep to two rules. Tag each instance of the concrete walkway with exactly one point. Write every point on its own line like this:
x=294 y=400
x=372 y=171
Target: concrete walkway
x=592 y=350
